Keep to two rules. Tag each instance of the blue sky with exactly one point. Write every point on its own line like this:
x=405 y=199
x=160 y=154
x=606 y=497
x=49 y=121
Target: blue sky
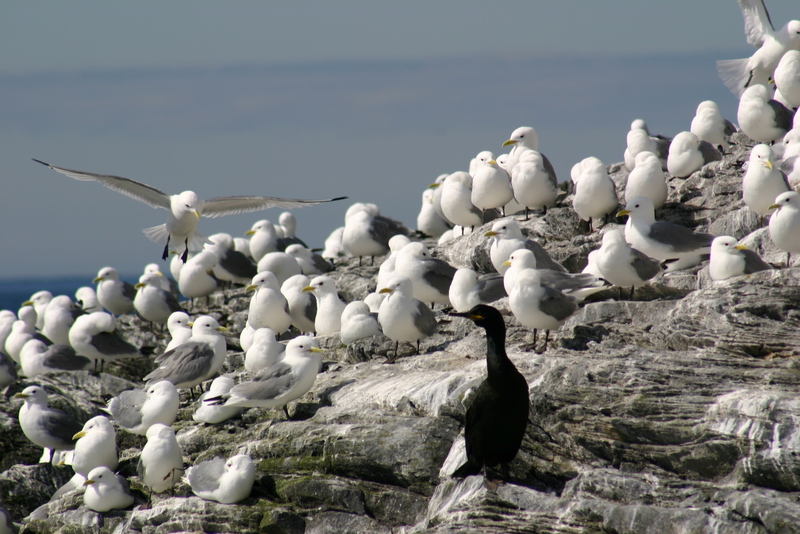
x=309 y=100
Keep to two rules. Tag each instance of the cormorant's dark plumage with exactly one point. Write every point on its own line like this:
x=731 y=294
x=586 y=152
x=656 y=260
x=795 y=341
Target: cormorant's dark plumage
x=498 y=414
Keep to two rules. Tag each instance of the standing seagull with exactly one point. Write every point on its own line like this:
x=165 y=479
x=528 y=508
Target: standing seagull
x=539 y=307
x=152 y=302
x=46 y=427
x=739 y=74
x=430 y=277
x=94 y=336
x=329 y=306
x=161 y=462
x=402 y=317
x=114 y=294
x=498 y=414
x=622 y=265
x=185 y=209
x=136 y=410
x=763 y=181
x=784 y=224
x=507 y=237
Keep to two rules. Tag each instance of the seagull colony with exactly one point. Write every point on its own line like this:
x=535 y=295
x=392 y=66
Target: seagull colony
x=294 y=307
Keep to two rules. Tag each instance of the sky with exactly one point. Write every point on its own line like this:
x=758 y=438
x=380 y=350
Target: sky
x=314 y=100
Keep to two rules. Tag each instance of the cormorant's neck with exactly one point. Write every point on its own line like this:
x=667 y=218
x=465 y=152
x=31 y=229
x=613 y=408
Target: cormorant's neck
x=497 y=361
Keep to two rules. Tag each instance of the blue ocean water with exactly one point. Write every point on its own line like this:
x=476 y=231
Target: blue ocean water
x=14 y=292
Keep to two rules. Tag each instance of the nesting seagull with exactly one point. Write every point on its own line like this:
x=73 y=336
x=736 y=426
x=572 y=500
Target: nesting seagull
x=763 y=181
x=430 y=277
x=595 y=193
x=647 y=180
x=161 y=462
x=36 y=358
x=468 y=289
x=358 y=322
x=688 y=153
x=232 y=266
x=741 y=74
x=94 y=336
x=264 y=352
x=578 y=286
x=329 y=306
x=287 y=380
x=539 y=307
x=214 y=414
x=402 y=317
x=729 y=259
x=302 y=305
x=761 y=118
x=310 y=262
x=196 y=360
x=268 y=307
x=662 y=240
x=784 y=224
x=136 y=410
x=226 y=482
x=622 y=265
x=106 y=491
x=114 y=294
x=95 y=445
x=46 y=427
x=709 y=125
x=152 y=302
x=507 y=237
x=185 y=209
x=787 y=78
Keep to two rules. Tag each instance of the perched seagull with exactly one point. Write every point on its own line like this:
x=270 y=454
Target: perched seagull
x=386 y=270
x=662 y=240
x=491 y=185
x=36 y=358
x=367 y=233
x=578 y=286
x=94 y=336
x=196 y=360
x=114 y=294
x=741 y=74
x=8 y=370
x=302 y=305
x=106 y=491
x=457 y=201
x=334 y=249
x=787 y=77
x=436 y=186
x=7 y=320
x=622 y=265
x=180 y=329
x=160 y=462
x=39 y=301
x=429 y=222
x=268 y=307
x=729 y=259
x=709 y=125
x=647 y=180
x=136 y=410
x=212 y=414
x=288 y=224
x=468 y=289
x=507 y=237
x=534 y=182
x=86 y=298
x=152 y=302
x=402 y=317
x=226 y=482
x=521 y=140
x=287 y=380
x=358 y=322
x=167 y=283
x=329 y=306
x=263 y=239
x=196 y=277
x=688 y=153
x=96 y=445
x=309 y=262
x=763 y=181
x=595 y=193
x=784 y=224
x=430 y=277
x=539 y=307
x=22 y=331
x=761 y=118
x=58 y=318
x=46 y=427
x=232 y=266
x=185 y=209
x=639 y=140
x=264 y=352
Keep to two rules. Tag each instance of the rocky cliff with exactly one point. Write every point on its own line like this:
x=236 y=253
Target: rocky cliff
x=675 y=412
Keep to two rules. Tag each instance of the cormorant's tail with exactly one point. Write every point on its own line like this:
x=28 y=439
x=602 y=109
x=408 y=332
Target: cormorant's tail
x=467 y=468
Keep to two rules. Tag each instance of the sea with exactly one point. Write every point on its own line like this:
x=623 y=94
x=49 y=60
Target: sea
x=15 y=291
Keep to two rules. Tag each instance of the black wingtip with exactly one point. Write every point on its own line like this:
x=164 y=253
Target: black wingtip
x=40 y=161
x=338 y=198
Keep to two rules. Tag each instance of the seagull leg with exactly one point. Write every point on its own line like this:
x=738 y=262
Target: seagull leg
x=165 y=254
x=526 y=213
x=483 y=216
x=185 y=254
x=544 y=347
x=359 y=261
x=394 y=358
x=286 y=411
x=632 y=289
x=418 y=346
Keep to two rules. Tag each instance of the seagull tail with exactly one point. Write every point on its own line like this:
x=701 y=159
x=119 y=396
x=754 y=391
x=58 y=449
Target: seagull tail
x=734 y=74
x=158 y=234
x=215 y=401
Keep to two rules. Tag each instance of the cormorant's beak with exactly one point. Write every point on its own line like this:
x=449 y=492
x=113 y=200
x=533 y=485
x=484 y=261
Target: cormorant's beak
x=622 y=213
x=470 y=316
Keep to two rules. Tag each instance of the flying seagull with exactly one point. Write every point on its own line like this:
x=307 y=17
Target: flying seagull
x=185 y=209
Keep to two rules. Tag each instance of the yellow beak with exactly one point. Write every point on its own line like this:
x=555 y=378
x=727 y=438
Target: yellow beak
x=20 y=396
x=88 y=481
x=315 y=349
x=97 y=279
x=78 y=435
x=307 y=289
x=139 y=285
x=507 y=263
x=196 y=214
x=491 y=162
x=767 y=164
x=622 y=213
x=222 y=329
x=509 y=142
x=28 y=303
x=190 y=324
x=385 y=290
x=434 y=185
x=251 y=288
x=250 y=232
x=490 y=234
x=774 y=207
x=740 y=247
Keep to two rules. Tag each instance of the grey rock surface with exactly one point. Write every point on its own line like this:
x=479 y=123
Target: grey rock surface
x=674 y=412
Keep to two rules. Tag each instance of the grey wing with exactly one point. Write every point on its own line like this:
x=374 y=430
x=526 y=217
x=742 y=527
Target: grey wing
x=374 y=317
x=268 y=384
x=64 y=357
x=284 y=242
x=551 y=171
x=219 y=206
x=786 y=178
x=128 y=291
x=708 y=152
x=543 y=259
x=564 y=281
x=321 y=264
x=555 y=304
x=126 y=408
x=110 y=344
x=439 y=274
x=311 y=310
x=425 y=320
x=645 y=266
x=382 y=229
x=131 y=188
x=491 y=288
x=680 y=238
x=395 y=226
x=787 y=166
x=662 y=146
x=238 y=264
x=757 y=22
x=172 y=301
x=188 y=362
x=753 y=262
x=9 y=364
x=59 y=424
x=783 y=115
x=730 y=128
x=205 y=476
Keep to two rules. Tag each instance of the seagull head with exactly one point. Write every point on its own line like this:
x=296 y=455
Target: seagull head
x=106 y=273
x=33 y=395
x=726 y=245
x=639 y=208
x=787 y=199
x=524 y=136
x=186 y=203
